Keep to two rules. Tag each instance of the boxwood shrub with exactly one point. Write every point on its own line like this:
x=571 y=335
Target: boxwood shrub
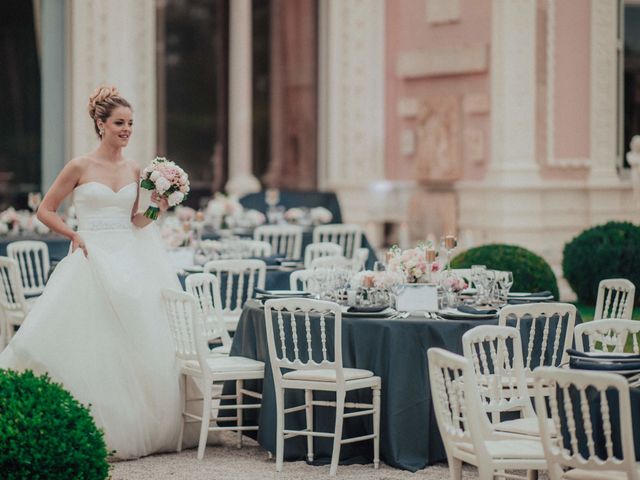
x=531 y=273
x=611 y=250
x=45 y=433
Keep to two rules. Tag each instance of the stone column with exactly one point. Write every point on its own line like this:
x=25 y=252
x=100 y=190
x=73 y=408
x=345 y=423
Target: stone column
x=53 y=29
x=241 y=179
x=604 y=86
x=114 y=43
x=513 y=92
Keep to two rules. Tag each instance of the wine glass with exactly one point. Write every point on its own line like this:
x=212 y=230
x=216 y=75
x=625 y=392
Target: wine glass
x=449 y=244
x=506 y=282
x=33 y=200
x=477 y=277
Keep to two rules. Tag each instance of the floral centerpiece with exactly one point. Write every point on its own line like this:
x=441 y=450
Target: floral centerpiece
x=295 y=215
x=14 y=222
x=320 y=215
x=220 y=207
x=175 y=233
x=9 y=221
x=246 y=219
x=167 y=180
x=412 y=263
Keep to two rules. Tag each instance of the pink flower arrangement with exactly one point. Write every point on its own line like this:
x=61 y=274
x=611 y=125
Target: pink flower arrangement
x=168 y=180
x=455 y=284
x=412 y=264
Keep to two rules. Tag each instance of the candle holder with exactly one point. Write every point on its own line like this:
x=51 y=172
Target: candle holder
x=449 y=244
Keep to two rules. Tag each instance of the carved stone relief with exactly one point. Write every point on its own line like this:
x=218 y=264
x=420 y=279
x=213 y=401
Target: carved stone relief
x=438 y=140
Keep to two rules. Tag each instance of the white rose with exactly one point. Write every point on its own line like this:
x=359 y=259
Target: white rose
x=175 y=198
x=155 y=175
x=162 y=185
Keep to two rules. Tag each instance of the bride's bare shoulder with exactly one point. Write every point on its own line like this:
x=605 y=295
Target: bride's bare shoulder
x=134 y=166
x=78 y=165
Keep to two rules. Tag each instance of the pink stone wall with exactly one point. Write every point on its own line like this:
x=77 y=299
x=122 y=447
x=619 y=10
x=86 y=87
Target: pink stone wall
x=407 y=29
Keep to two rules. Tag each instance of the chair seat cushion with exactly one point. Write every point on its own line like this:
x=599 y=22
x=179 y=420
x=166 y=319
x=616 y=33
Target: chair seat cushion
x=529 y=449
x=221 y=350
x=220 y=364
x=524 y=426
x=321 y=375
x=582 y=474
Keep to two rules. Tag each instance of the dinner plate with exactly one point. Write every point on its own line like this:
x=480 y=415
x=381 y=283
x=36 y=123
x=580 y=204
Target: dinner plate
x=194 y=269
x=469 y=291
x=267 y=294
x=387 y=312
x=455 y=314
x=528 y=296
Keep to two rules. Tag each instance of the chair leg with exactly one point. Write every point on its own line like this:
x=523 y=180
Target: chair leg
x=183 y=408
x=206 y=417
x=308 y=400
x=376 y=427
x=239 y=387
x=337 y=439
x=279 y=428
x=455 y=467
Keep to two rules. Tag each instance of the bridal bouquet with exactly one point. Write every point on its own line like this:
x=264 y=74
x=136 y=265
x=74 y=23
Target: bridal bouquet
x=168 y=180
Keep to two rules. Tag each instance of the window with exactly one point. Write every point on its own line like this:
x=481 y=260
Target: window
x=630 y=73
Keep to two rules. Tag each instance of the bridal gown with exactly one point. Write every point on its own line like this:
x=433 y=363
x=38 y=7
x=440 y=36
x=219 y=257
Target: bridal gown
x=100 y=329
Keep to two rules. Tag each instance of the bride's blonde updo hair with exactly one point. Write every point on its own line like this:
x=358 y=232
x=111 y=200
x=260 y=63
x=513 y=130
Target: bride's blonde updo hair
x=102 y=103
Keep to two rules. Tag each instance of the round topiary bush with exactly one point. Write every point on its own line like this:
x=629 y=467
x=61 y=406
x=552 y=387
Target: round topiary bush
x=45 y=433
x=531 y=273
x=611 y=250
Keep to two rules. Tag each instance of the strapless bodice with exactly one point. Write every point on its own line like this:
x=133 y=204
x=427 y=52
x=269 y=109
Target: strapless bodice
x=98 y=207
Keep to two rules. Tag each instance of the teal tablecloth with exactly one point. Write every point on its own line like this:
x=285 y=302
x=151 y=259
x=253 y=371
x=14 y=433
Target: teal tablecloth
x=395 y=350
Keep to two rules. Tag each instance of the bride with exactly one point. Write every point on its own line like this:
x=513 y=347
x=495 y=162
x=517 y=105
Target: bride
x=99 y=327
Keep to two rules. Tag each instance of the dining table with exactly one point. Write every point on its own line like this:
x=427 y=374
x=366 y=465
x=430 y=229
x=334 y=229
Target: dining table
x=394 y=348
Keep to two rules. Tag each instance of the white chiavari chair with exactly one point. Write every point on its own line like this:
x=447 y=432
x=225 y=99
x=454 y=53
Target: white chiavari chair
x=33 y=259
x=360 y=259
x=579 y=409
x=192 y=351
x=332 y=261
x=348 y=236
x=240 y=279
x=495 y=353
x=317 y=250
x=255 y=248
x=299 y=278
x=206 y=289
x=13 y=304
x=607 y=335
x=298 y=325
x=615 y=299
x=467 y=436
x=547 y=332
x=285 y=240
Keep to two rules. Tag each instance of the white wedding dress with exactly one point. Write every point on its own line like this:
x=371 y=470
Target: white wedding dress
x=99 y=328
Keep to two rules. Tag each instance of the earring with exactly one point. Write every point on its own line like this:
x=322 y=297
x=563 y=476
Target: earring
x=101 y=132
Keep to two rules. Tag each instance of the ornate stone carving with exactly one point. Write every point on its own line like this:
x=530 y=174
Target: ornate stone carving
x=476 y=103
x=438 y=152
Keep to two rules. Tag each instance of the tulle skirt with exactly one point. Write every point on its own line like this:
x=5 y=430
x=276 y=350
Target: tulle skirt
x=100 y=329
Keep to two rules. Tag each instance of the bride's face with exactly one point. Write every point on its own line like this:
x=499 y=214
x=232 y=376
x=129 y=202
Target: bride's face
x=118 y=127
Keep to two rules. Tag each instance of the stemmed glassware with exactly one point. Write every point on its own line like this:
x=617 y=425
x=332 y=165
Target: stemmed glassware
x=449 y=244
x=505 y=282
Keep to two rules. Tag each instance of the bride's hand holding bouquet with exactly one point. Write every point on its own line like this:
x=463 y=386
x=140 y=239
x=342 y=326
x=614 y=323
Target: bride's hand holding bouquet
x=169 y=184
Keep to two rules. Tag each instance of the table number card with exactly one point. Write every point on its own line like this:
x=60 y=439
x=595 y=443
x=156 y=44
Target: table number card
x=417 y=296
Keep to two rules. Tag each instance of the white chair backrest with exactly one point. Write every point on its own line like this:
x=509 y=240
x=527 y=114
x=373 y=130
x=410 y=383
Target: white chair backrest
x=12 y=299
x=298 y=279
x=187 y=325
x=298 y=339
x=255 y=248
x=360 y=259
x=240 y=278
x=317 y=250
x=547 y=331
x=332 y=261
x=348 y=236
x=615 y=299
x=584 y=436
x=496 y=355
x=206 y=289
x=33 y=259
x=284 y=239
x=608 y=335
x=456 y=402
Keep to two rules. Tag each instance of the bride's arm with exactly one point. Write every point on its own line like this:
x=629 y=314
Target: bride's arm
x=61 y=188
x=138 y=218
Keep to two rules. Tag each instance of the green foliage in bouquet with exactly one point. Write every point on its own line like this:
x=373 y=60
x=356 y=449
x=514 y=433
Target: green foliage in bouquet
x=611 y=250
x=531 y=273
x=45 y=433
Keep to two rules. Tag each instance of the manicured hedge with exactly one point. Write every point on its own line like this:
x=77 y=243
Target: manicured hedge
x=45 y=433
x=531 y=273
x=611 y=250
